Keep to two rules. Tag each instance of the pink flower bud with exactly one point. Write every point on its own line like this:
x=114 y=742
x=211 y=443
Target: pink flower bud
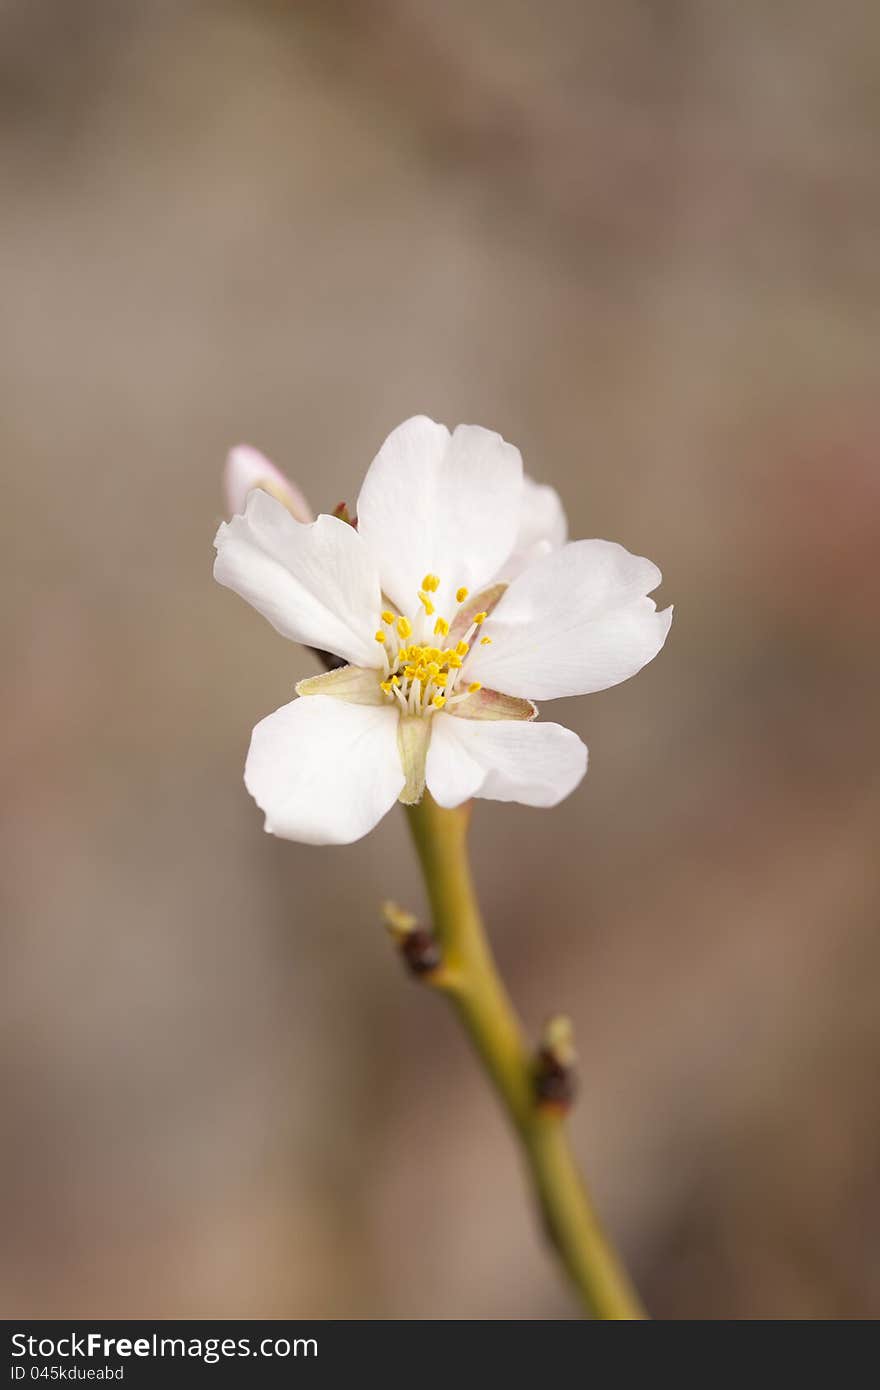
x=247 y=468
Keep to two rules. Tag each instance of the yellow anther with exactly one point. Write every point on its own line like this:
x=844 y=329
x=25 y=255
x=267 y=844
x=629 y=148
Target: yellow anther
x=423 y=677
x=484 y=641
x=431 y=582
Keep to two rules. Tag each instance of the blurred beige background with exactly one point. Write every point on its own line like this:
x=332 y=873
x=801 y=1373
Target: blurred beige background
x=641 y=240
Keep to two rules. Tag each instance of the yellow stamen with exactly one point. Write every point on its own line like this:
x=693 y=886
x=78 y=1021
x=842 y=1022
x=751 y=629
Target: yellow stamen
x=423 y=677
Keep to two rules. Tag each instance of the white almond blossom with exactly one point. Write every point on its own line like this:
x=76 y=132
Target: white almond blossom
x=455 y=601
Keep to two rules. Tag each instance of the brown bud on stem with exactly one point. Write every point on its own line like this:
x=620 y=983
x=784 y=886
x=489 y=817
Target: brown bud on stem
x=417 y=945
x=554 y=1072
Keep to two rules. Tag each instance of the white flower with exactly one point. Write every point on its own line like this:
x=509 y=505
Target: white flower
x=455 y=601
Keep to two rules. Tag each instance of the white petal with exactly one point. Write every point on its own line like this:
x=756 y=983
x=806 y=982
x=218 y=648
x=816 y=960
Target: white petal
x=440 y=504
x=316 y=584
x=247 y=468
x=573 y=622
x=504 y=760
x=543 y=527
x=325 y=772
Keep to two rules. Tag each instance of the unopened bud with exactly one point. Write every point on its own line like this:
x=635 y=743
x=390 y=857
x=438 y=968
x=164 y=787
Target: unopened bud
x=555 y=1081
x=418 y=946
x=246 y=468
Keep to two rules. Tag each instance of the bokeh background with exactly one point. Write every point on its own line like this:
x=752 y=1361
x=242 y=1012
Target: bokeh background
x=641 y=240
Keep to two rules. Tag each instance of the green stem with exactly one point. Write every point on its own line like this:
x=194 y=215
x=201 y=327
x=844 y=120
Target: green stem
x=470 y=977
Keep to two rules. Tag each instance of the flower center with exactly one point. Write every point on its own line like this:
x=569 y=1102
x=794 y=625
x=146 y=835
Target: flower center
x=419 y=674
